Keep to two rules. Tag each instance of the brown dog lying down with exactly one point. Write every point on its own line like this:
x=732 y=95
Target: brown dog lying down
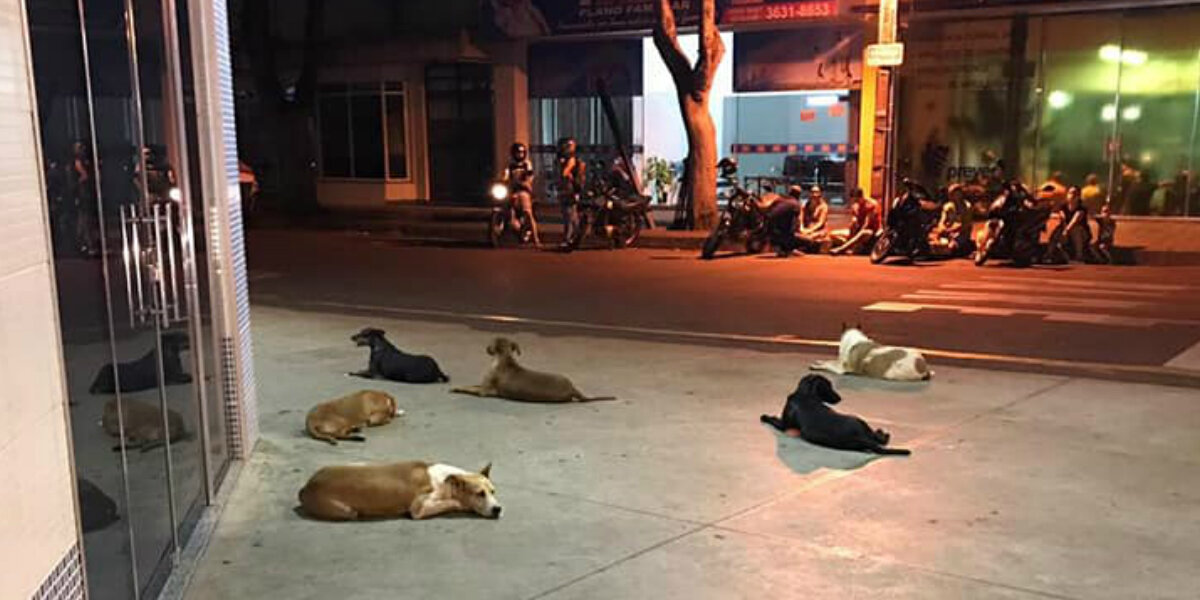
x=387 y=491
x=509 y=380
x=342 y=418
x=143 y=424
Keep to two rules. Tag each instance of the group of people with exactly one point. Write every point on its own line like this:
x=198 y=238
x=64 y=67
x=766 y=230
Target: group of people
x=570 y=174
x=804 y=227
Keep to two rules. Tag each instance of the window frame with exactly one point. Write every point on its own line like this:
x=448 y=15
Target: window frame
x=383 y=93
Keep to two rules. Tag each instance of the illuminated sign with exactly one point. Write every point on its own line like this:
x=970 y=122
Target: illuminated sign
x=885 y=55
x=765 y=11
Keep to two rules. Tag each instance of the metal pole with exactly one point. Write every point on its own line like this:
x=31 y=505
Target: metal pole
x=187 y=244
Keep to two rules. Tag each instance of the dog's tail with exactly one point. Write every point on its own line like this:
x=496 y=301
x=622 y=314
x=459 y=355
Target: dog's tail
x=891 y=451
x=595 y=398
x=775 y=422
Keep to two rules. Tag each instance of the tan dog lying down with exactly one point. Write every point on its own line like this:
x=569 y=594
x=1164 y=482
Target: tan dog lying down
x=143 y=424
x=342 y=418
x=509 y=380
x=860 y=355
x=382 y=491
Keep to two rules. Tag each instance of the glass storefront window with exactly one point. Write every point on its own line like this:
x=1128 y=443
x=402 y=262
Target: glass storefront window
x=353 y=119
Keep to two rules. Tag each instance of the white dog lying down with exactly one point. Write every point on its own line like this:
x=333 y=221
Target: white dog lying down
x=860 y=355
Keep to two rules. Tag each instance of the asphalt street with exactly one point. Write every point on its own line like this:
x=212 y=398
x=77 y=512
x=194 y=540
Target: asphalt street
x=1139 y=317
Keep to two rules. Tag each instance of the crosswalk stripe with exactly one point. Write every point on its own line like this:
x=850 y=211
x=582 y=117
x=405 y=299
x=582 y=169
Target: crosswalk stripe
x=1047 y=315
x=1024 y=300
x=1089 y=284
x=1037 y=288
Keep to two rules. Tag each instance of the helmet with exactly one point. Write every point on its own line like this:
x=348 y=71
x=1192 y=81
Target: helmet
x=518 y=151
x=728 y=167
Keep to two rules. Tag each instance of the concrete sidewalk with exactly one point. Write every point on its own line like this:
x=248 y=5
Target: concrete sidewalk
x=1020 y=486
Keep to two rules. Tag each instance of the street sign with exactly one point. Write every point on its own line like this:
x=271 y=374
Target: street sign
x=885 y=55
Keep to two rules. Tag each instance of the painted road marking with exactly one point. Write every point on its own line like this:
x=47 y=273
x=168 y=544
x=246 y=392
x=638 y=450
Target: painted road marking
x=1024 y=300
x=1090 y=284
x=1026 y=361
x=1047 y=315
x=1188 y=359
x=1037 y=289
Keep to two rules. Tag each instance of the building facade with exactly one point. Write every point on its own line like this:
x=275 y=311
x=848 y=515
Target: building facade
x=1017 y=80
x=124 y=323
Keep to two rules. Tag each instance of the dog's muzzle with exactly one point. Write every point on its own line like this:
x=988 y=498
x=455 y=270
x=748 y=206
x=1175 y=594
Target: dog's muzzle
x=496 y=510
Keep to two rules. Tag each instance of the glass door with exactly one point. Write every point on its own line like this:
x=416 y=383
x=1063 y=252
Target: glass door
x=147 y=423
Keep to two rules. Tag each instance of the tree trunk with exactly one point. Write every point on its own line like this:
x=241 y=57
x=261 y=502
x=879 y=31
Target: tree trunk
x=692 y=85
x=702 y=158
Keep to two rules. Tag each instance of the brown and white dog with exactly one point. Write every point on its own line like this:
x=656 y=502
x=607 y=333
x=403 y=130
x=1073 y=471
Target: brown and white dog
x=508 y=379
x=387 y=491
x=143 y=424
x=860 y=355
x=342 y=418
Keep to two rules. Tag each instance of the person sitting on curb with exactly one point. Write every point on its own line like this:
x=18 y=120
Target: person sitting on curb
x=866 y=221
x=814 y=222
x=782 y=216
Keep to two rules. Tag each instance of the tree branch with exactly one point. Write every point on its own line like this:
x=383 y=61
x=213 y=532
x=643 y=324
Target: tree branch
x=711 y=50
x=666 y=40
x=306 y=85
x=260 y=49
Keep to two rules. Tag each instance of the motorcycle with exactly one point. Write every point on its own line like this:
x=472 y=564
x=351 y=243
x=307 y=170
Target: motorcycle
x=1014 y=229
x=909 y=223
x=743 y=219
x=606 y=212
x=500 y=223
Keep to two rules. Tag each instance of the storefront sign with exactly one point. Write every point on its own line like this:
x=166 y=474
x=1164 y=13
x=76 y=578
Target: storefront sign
x=541 y=18
x=885 y=55
x=766 y=11
x=812 y=58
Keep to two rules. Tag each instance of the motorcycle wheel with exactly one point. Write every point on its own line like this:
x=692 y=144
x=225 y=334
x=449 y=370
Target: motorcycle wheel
x=883 y=247
x=629 y=230
x=713 y=242
x=755 y=244
x=496 y=227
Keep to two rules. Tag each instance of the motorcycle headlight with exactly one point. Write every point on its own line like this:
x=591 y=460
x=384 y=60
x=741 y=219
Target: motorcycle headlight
x=175 y=194
x=499 y=191
x=608 y=205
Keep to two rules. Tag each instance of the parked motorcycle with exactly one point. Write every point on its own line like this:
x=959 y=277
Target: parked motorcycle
x=910 y=219
x=608 y=213
x=1014 y=229
x=743 y=219
x=500 y=223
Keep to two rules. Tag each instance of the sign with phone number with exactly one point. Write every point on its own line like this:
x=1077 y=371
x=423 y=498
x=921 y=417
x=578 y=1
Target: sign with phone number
x=766 y=11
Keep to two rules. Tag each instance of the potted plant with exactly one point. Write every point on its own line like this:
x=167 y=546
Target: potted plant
x=661 y=175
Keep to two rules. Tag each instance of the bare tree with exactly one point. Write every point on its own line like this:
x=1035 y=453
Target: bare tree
x=288 y=116
x=692 y=86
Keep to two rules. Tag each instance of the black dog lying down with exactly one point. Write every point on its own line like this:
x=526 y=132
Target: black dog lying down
x=807 y=411
x=388 y=362
x=142 y=374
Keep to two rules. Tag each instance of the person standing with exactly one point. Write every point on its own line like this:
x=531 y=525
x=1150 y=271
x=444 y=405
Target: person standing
x=572 y=174
x=519 y=177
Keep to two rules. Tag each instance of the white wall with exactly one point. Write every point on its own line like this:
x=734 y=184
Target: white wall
x=37 y=506
x=665 y=136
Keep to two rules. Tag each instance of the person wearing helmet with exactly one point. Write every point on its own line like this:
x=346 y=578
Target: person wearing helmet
x=814 y=221
x=571 y=173
x=518 y=175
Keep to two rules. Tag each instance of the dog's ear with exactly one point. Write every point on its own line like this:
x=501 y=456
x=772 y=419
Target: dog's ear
x=858 y=326
x=491 y=349
x=826 y=392
x=845 y=326
x=516 y=348
x=455 y=482
x=486 y=471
